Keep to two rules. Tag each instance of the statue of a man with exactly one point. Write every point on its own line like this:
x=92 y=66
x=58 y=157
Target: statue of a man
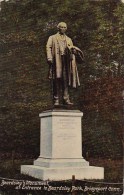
x=61 y=57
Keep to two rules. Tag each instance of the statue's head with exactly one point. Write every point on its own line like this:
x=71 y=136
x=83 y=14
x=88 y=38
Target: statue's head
x=62 y=27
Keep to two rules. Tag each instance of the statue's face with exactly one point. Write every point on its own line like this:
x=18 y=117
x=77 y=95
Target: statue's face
x=62 y=28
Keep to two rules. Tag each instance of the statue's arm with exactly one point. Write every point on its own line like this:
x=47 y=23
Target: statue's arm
x=70 y=43
x=49 y=49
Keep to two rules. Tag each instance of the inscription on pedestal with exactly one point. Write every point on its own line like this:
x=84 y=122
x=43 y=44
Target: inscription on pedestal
x=67 y=129
x=68 y=123
x=67 y=135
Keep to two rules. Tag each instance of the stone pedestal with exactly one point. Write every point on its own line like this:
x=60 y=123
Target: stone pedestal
x=61 y=149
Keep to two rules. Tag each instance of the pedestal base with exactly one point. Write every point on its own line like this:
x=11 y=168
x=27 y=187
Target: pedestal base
x=63 y=173
x=61 y=149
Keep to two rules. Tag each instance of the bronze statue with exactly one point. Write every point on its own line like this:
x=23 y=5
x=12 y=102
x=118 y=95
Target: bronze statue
x=61 y=57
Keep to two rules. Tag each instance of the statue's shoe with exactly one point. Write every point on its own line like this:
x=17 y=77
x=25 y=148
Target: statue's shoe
x=67 y=102
x=56 y=103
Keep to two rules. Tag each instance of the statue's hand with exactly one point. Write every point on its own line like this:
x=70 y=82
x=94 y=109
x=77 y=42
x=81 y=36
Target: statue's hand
x=50 y=76
x=74 y=51
x=50 y=62
x=50 y=69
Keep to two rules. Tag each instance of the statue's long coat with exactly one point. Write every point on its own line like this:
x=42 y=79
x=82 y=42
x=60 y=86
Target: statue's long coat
x=54 y=55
